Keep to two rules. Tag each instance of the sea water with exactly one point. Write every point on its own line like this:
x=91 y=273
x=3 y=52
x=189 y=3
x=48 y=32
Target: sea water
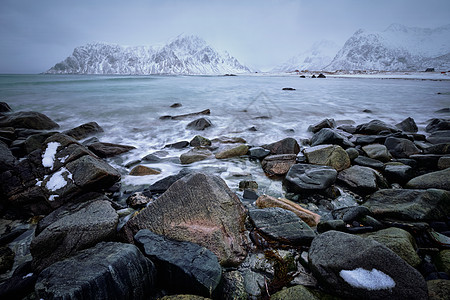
x=129 y=108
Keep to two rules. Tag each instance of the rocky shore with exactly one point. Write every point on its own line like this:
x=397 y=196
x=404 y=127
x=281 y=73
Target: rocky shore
x=68 y=230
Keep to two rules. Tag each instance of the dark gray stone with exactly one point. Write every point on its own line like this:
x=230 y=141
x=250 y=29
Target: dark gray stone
x=325 y=123
x=352 y=153
x=7 y=160
x=281 y=225
x=438 y=124
x=4 y=107
x=401 y=148
x=84 y=130
x=377 y=151
x=36 y=141
x=285 y=146
x=250 y=195
x=28 y=119
x=426 y=161
x=407 y=125
x=329 y=136
x=368 y=162
x=162 y=185
x=333 y=253
x=104 y=150
x=258 y=152
x=74 y=227
x=443 y=148
x=398 y=172
x=355 y=213
x=362 y=179
x=106 y=271
x=370 y=139
x=194 y=155
x=183 y=267
x=151 y=158
x=439 y=137
x=347 y=128
x=178 y=145
x=436 y=180
x=375 y=127
x=199 y=141
x=410 y=205
x=305 y=178
x=199 y=124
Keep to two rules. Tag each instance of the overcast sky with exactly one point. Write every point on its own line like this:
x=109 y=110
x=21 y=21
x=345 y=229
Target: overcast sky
x=36 y=34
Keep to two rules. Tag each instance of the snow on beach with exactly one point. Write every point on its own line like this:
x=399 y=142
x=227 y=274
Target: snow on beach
x=369 y=280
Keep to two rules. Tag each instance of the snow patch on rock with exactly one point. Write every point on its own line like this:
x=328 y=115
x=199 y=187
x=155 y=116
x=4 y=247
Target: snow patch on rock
x=369 y=280
x=57 y=180
x=48 y=158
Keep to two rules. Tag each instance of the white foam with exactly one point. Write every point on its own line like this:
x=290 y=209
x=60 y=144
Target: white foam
x=48 y=158
x=57 y=181
x=52 y=197
x=369 y=280
x=28 y=275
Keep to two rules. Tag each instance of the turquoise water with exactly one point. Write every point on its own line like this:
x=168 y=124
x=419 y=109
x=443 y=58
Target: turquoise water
x=129 y=107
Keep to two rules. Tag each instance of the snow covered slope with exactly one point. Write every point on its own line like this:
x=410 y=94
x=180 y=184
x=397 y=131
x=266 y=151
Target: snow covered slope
x=398 y=48
x=314 y=59
x=184 y=55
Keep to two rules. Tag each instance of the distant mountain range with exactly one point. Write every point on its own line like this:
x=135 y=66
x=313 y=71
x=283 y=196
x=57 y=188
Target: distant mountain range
x=398 y=48
x=188 y=55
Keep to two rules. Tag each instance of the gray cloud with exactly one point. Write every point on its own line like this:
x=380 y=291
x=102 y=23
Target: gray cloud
x=36 y=34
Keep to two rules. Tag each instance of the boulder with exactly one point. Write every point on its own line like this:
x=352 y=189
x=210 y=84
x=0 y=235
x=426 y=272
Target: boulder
x=328 y=155
x=182 y=267
x=178 y=145
x=199 y=141
x=248 y=185
x=106 y=271
x=278 y=164
x=438 y=124
x=139 y=200
x=310 y=218
x=194 y=155
x=401 y=148
x=352 y=153
x=36 y=141
x=258 y=152
x=141 y=170
x=410 y=205
x=105 y=150
x=375 y=127
x=443 y=148
x=347 y=128
x=443 y=162
x=229 y=140
x=362 y=179
x=437 y=180
x=329 y=136
x=377 y=151
x=162 y=185
x=370 y=139
x=357 y=268
x=438 y=289
x=407 y=125
x=285 y=146
x=197 y=208
x=426 y=161
x=72 y=228
x=28 y=119
x=439 y=137
x=4 y=107
x=325 y=123
x=232 y=152
x=398 y=240
x=282 y=226
x=368 y=162
x=306 y=179
x=199 y=124
x=7 y=160
x=83 y=131
x=398 y=172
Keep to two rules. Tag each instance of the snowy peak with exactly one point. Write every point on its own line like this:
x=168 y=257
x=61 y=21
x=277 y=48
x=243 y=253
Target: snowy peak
x=397 y=48
x=183 y=55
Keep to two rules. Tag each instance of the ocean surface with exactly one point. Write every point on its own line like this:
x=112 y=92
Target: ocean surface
x=128 y=108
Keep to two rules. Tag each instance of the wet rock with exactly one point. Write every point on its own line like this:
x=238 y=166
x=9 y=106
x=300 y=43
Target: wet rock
x=280 y=225
x=229 y=140
x=398 y=172
x=310 y=218
x=437 y=180
x=141 y=170
x=106 y=271
x=139 y=200
x=398 y=240
x=438 y=289
x=4 y=107
x=410 y=205
x=162 y=185
x=21 y=283
x=368 y=162
x=176 y=105
x=439 y=137
x=443 y=163
x=443 y=261
x=325 y=123
x=377 y=151
x=297 y=292
x=353 y=267
x=400 y=148
x=355 y=213
x=236 y=151
x=247 y=184
x=6 y=259
x=234 y=286
x=278 y=164
x=83 y=131
x=199 y=141
x=151 y=158
x=195 y=155
x=258 y=152
x=352 y=153
x=305 y=178
x=375 y=127
x=35 y=141
x=284 y=146
x=327 y=225
x=443 y=148
x=250 y=195
x=7 y=160
x=329 y=136
x=362 y=179
x=184 y=116
x=407 y=125
x=74 y=227
x=199 y=124
x=198 y=208
x=370 y=139
x=104 y=150
x=182 y=267
x=321 y=76
x=328 y=155
x=178 y=145
x=438 y=124
x=28 y=119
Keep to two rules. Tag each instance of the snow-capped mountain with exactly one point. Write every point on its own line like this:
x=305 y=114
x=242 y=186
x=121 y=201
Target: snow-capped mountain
x=398 y=48
x=315 y=58
x=184 y=55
